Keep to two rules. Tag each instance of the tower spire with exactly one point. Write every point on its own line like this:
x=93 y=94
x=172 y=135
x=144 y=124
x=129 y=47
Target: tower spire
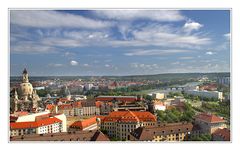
x=25 y=71
x=25 y=76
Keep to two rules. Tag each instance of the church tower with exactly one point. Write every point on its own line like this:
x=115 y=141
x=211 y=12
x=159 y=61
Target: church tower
x=26 y=88
x=27 y=99
x=25 y=76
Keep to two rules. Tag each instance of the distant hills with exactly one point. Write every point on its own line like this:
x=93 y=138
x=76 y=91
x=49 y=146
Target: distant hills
x=161 y=77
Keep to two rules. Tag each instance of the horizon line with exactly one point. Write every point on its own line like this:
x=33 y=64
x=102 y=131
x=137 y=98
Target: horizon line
x=122 y=75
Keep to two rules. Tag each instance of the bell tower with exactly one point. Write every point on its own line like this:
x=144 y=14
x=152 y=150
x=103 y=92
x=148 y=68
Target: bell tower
x=25 y=76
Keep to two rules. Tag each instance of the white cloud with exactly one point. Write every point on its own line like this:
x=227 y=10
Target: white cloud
x=141 y=35
x=186 y=58
x=191 y=25
x=150 y=52
x=32 y=48
x=227 y=36
x=210 y=53
x=68 y=54
x=62 y=42
x=74 y=63
x=107 y=65
x=86 y=35
x=52 y=19
x=175 y=63
x=144 y=66
x=55 y=65
x=155 y=15
x=134 y=65
x=86 y=65
x=71 y=39
x=159 y=35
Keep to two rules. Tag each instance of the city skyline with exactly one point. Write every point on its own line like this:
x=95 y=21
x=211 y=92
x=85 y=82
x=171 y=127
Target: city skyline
x=119 y=42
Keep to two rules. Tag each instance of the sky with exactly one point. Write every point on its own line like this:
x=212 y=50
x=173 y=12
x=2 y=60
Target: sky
x=119 y=42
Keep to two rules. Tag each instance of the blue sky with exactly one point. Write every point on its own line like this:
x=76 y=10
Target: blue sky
x=119 y=42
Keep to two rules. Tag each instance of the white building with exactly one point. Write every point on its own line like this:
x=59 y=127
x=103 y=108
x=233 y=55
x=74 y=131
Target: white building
x=206 y=94
x=31 y=117
x=63 y=118
x=39 y=123
x=41 y=126
x=159 y=106
x=158 y=95
x=79 y=97
x=88 y=86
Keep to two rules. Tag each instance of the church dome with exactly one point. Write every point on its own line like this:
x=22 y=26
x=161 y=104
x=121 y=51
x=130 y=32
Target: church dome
x=26 y=89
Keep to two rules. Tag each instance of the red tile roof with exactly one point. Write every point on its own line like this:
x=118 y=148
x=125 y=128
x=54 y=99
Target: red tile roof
x=39 y=123
x=120 y=98
x=130 y=116
x=70 y=105
x=92 y=135
x=83 y=124
x=50 y=106
x=77 y=104
x=40 y=117
x=63 y=99
x=210 y=118
x=224 y=133
x=148 y=133
x=98 y=104
x=65 y=107
x=101 y=117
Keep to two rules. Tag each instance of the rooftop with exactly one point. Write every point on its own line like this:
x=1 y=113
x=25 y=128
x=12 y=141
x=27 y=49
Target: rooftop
x=121 y=98
x=83 y=124
x=148 y=133
x=93 y=135
x=210 y=118
x=224 y=133
x=35 y=124
x=130 y=116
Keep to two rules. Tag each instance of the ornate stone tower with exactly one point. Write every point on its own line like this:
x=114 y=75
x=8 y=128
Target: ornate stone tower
x=35 y=99
x=25 y=76
x=26 y=87
x=15 y=100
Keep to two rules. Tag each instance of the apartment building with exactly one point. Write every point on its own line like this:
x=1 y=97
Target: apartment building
x=47 y=125
x=119 y=123
x=162 y=132
x=38 y=123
